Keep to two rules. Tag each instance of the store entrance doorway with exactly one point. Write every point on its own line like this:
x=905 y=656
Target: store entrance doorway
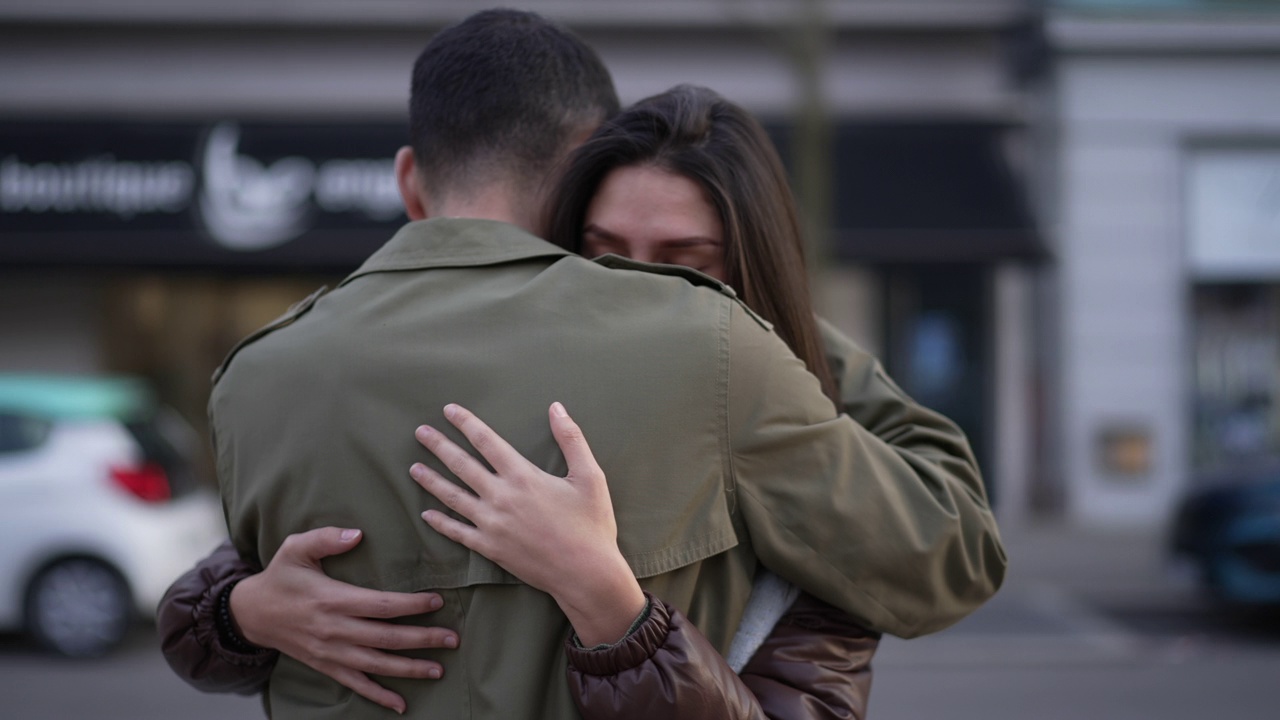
x=938 y=345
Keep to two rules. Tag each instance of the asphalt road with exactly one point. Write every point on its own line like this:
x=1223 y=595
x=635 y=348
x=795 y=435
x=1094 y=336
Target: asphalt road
x=133 y=684
x=1040 y=656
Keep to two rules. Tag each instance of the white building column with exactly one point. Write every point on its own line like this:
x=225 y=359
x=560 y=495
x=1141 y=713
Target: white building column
x=1013 y=451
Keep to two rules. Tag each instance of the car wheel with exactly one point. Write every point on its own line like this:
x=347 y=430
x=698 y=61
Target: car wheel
x=79 y=607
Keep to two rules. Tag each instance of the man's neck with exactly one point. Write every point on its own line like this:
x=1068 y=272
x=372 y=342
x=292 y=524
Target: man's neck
x=494 y=202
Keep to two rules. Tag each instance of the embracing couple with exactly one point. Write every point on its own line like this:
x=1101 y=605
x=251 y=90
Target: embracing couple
x=650 y=484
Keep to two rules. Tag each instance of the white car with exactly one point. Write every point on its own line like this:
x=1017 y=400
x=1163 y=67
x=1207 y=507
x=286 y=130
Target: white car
x=100 y=508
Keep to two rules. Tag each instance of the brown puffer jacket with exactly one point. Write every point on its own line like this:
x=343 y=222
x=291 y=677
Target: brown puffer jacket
x=815 y=664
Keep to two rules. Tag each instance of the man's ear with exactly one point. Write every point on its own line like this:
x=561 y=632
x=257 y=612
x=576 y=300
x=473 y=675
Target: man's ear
x=410 y=183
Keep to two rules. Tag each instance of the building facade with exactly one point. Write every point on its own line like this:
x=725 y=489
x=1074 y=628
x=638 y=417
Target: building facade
x=1166 y=227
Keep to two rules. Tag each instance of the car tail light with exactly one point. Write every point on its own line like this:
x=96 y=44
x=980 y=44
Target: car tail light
x=148 y=482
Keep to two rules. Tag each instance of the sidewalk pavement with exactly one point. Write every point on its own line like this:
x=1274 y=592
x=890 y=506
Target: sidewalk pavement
x=1071 y=595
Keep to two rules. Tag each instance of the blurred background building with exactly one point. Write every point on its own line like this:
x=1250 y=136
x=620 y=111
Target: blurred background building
x=1165 y=148
x=1055 y=222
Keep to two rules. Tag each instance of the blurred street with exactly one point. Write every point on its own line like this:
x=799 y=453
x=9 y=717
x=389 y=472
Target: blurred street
x=1095 y=625
x=1087 y=625
x=133 y=684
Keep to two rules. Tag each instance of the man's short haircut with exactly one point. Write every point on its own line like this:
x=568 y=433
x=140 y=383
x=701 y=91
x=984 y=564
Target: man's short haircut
x=500 y=95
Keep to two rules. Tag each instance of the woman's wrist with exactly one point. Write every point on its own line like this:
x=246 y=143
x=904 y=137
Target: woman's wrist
x=636 y=624
x=602 y=605
x=228 y=632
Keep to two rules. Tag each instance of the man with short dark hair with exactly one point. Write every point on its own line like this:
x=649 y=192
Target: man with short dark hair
x=498 y=100
x=720 y=448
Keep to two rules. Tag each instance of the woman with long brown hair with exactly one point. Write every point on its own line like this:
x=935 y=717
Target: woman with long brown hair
x=691 y=138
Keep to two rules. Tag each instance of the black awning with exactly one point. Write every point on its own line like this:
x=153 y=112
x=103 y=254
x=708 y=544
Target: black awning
x=918 y=191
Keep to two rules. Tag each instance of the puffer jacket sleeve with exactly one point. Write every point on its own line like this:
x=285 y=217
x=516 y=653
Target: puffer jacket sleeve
x=815 y=664
x=187 y=620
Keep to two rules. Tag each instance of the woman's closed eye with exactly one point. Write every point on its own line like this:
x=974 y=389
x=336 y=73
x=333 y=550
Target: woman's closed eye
x=702 y=256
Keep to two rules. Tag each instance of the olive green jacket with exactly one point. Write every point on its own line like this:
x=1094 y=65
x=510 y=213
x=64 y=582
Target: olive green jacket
x=720 y=449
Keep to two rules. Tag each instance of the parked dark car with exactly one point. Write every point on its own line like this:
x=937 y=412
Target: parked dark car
x=1229 y=527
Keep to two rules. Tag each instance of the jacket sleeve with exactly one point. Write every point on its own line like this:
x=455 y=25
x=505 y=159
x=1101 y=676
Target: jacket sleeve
x=190 y=637
x=938 y=459
x=880 y=512
x=815 y=665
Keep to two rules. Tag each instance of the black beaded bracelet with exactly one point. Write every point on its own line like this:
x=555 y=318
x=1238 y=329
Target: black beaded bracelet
x=227 y=630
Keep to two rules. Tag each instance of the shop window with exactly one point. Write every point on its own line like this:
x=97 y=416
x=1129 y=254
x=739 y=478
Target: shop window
x=1236 y=374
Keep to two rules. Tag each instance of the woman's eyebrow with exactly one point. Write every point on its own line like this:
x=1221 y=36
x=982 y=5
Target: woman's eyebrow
x=675 y=242
x=691 y=241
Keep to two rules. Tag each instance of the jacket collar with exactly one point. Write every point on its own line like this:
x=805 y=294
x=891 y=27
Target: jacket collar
x=455 y=242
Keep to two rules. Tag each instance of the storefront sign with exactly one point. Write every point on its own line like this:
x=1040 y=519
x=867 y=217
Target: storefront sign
x=281 y=196
x=1124 y=451
x=224 y=194
x=1233 y=206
